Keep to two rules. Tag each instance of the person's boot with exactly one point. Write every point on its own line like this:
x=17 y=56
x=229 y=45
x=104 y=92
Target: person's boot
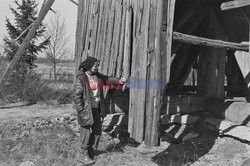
x=84 y=159
x=91 y=153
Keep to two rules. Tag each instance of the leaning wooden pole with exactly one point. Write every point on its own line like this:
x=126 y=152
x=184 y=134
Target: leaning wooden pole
x=44 y=10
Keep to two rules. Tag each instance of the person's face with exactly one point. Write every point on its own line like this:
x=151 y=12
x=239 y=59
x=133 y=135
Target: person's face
x=95 y=68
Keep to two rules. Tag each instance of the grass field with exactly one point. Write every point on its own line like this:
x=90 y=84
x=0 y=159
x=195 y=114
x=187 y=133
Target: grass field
x=67 y=70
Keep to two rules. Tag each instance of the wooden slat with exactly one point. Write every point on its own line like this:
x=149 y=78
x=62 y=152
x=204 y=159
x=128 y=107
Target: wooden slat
x=44 y=10
x=99 y=33
x=150 y=74
x=103 y=33
x=109 y=37
x=122 y=40
x=81 y=41
x=234 y=4
x=156 y=64
x=127 y=42
x=89 y=29
x=79 y=34
x=95 y=26
x=131 y=125
x=116 y=37
x=167 y=52
x=132 y=99
x=141 y=67
x=137 y=96
x=189 y=39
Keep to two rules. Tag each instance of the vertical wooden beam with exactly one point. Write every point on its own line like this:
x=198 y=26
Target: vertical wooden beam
x=95 y=25
x=81 y=31
x=128 y=42
x=44 y=10
x=116 y=38
x=159 y=66
x=103 y=32
x=150 y=74
x=89 y=29
x=138 y=71
x=211 y=71
x=166 y=52
x=122 y=40
x=109 y=37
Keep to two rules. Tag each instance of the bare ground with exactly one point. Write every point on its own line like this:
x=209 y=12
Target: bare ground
x=57 y=144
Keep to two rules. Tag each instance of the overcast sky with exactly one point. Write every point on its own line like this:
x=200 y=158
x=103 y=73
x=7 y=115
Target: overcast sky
x=66 y=8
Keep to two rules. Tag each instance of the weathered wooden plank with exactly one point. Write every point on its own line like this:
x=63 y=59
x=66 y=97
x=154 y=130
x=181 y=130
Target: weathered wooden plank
x=44 y=10
x=234 y=4
x=138 y=69
x=167 y=30
x=109 y=37
x=211 y=70
x=85 y=10
x=79 y=34
x=162 y=53
x=95 y=26
x=132 y=102
x=103 y=33
x=150 y=75
x=137 y=98
x=89 y=29
x=122 y=40
x=99 y=27
x=141 y=66
x=189 y=39
x=116 y=37
x=128 y=42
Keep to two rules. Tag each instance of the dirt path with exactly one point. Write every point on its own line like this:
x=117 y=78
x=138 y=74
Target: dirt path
x=16 y=114
x=59 y=145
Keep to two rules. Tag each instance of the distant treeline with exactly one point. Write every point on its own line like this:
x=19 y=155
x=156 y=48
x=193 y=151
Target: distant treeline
x=46 y=60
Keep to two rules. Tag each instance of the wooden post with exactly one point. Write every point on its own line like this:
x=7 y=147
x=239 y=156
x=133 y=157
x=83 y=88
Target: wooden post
x=44 y=10
x=211 y=70
x=159 y=66
x=138 y=70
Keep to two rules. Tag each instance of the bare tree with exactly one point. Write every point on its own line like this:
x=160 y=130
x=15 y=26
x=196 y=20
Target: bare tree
x=59 y=47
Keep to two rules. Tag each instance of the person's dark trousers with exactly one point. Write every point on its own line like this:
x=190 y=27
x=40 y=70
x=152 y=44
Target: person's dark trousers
x=90 y=135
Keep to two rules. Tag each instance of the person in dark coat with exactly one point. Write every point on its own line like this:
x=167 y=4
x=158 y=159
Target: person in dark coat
x=90 y=106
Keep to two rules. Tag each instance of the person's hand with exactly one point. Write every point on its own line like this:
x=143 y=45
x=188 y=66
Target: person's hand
x=122 y=80
x=102 y=117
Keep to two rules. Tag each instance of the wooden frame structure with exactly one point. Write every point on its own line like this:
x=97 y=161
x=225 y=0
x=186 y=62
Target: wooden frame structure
x=134 y=39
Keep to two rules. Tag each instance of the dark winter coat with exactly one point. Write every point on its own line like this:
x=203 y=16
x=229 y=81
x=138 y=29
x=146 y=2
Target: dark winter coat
x=82 y=100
